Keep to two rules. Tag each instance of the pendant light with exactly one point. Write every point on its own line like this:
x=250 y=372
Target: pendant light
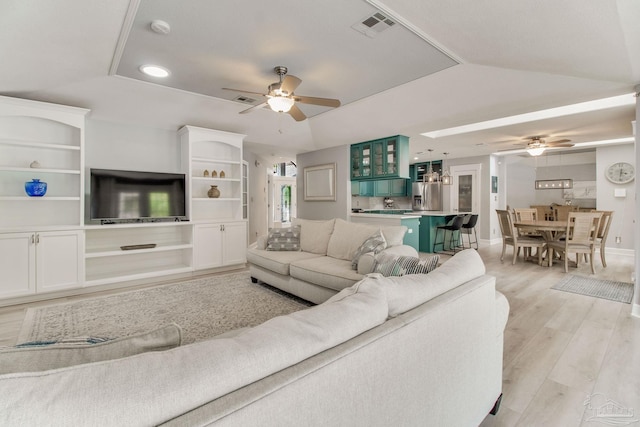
x=431 y=176
x=446 y=176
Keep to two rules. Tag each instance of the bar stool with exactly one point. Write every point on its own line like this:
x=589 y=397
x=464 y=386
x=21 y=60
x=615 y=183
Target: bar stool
x=467 y=226
x=455 y=224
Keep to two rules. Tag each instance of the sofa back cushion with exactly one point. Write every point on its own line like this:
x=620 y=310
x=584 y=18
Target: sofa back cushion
x=409 y=291
x=394 y=234
x=314 y=235
x=347 y=237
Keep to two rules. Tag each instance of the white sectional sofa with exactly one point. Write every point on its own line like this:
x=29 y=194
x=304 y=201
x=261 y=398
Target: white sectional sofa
x=417 y=350
x=322 y=267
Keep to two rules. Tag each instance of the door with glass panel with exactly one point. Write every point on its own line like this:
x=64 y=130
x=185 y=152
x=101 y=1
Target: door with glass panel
x=465 y=191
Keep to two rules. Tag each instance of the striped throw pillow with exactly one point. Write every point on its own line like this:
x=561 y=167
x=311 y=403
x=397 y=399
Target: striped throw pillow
x=390 y=265
x=375 y=244
x=284 y=239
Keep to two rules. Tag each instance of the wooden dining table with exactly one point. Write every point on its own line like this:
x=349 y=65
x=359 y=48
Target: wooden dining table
x=550 y=231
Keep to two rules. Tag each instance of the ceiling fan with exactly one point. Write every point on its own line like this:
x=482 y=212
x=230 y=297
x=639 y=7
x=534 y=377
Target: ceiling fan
x=281 y=97
x=536 y=145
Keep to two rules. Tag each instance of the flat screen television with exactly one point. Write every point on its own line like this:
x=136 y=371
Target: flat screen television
x=134 y=195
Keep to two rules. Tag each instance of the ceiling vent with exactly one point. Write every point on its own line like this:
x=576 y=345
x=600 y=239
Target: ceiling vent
x=373 y=25
x=244 y=99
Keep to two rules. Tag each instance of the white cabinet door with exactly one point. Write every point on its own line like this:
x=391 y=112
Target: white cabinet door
x=234 y=243
x=219 y=244
x=58 y=262
x=207 y=246
x=17 y=264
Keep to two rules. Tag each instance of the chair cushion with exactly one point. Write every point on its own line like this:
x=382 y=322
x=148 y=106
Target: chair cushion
x=347 y=238
x=325 y=271
x=277 y=261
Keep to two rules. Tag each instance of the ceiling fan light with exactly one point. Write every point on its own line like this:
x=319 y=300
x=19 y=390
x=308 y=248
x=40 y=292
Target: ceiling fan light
x=280 y=104
x=536 y=151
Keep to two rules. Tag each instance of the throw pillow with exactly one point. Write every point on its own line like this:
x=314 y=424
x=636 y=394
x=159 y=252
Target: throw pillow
x=374 y=243
x=389 y=265
x=347 y=238
x=284 y=239
x=45 y=355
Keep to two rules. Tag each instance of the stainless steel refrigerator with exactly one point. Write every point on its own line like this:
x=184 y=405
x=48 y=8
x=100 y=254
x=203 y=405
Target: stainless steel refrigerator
x=427 y=196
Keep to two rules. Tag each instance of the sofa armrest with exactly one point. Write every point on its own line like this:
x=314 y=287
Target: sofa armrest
x=368 y=260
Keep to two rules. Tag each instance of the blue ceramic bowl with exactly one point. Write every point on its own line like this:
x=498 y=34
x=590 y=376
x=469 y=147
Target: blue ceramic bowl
x=35 y=188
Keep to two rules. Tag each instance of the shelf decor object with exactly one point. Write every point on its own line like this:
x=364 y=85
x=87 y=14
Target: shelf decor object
x=222 y=174
x=35 y=188
x=214 y=174
x=213 y=192
x=206 y=173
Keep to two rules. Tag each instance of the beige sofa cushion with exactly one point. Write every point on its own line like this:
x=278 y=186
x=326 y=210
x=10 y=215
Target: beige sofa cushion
x=347 y=238
x=314 y=235
x=54 y=356
x=394 y=234
x=277 y=261
x=325 y=271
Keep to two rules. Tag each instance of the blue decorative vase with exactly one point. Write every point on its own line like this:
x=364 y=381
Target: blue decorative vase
x=35 y=188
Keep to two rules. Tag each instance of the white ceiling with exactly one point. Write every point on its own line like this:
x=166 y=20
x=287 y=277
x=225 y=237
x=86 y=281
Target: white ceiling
x=513 y=58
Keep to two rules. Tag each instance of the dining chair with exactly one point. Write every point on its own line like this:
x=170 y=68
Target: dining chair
x=561 y=212
x=603 y=232
x=580 y=236
x=510 y=237
x=545 y=212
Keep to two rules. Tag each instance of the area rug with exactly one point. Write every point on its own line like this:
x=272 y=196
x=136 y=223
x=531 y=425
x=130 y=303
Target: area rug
x=606 y=289
x=202 y=307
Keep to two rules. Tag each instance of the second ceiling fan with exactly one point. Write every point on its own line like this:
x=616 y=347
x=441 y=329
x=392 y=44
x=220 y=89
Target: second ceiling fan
x=281 y=96
x=536 y=145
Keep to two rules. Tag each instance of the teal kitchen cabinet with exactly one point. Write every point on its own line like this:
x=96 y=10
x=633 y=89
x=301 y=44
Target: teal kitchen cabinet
x=362 y=188
x=391 y=187
x=361 y=161
x=381 y=158
x=418 y=170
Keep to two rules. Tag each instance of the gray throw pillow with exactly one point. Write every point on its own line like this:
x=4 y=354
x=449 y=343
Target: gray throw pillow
x=374 y=243
x=284 y=239
x=46 y=355
x=390 y=265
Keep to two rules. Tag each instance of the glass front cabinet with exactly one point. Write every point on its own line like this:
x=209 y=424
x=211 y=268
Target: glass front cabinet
x=381 y=158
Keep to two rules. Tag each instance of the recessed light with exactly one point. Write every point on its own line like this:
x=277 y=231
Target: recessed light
x=154 y=71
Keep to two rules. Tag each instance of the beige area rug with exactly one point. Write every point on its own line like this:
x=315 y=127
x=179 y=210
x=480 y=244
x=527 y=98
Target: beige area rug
x=202 y=307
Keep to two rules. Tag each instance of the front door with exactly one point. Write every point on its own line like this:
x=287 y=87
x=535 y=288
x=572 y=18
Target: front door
x=465 y=191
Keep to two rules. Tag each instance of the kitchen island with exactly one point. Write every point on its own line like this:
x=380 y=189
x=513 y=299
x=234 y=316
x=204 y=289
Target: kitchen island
x=425 y=222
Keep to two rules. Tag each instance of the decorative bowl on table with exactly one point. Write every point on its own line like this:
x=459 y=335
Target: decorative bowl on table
x=35 y=188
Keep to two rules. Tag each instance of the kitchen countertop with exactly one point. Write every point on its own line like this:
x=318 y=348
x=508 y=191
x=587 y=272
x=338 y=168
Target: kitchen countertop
x=395 y=213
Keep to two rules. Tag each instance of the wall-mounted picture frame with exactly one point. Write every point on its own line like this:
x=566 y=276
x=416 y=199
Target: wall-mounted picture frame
x=320 y=183
x=494 y=184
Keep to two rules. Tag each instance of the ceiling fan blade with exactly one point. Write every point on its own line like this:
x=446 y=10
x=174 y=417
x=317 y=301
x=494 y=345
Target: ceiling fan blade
x=244 y=91
x=560 y=141
x=289 y=84
x=325 y=102
x=248 y=110
x=297 y=113
x=561 y=145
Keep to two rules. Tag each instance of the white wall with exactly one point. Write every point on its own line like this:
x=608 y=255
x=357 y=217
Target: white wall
x=326 y=209
x=624 y=207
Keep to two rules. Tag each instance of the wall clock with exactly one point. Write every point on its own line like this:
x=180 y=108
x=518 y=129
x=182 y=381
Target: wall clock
x=620 y=173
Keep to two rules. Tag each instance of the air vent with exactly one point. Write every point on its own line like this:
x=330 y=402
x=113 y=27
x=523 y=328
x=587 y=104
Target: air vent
x=373 y=25
x=244 y=99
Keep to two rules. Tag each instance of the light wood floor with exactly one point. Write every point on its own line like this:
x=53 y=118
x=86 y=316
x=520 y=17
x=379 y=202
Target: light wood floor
x=559 y=347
